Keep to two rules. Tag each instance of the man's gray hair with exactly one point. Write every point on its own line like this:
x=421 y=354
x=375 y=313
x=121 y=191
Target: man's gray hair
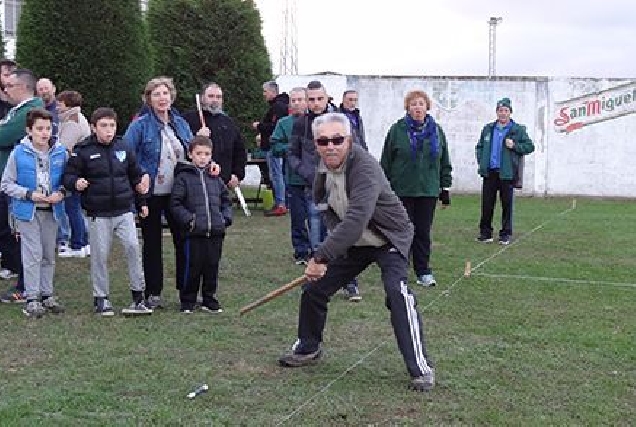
x=331 y=118
x=299 y=89
x=271 y=85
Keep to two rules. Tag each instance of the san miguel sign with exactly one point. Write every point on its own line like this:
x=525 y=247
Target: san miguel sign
x=586 y=110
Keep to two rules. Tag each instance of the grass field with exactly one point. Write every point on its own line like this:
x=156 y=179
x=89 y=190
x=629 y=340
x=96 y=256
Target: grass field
x=542 y=333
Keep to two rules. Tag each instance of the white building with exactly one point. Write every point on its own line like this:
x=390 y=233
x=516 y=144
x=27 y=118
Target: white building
x=10 y=16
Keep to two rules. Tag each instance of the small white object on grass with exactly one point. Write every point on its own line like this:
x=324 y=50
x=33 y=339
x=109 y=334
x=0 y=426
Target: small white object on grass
x=199 y=390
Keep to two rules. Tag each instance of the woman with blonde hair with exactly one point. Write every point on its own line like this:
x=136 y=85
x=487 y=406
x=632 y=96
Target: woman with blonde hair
x=160 y=138
x=416 y=162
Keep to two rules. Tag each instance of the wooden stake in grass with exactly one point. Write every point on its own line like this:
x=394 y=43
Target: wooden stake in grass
x=573 y=203
x=467 y=269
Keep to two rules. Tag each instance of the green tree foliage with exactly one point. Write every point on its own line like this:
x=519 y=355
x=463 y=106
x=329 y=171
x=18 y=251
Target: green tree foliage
x=98 y=48
x=199 y=41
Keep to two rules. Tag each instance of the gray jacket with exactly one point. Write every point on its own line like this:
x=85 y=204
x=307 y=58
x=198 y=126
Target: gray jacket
x=372 y=204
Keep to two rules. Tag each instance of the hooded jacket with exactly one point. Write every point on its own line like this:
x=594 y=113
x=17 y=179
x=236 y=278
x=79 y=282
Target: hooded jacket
x=200 y=202
x=278 y=107
x=21 y=177
x=510 y=157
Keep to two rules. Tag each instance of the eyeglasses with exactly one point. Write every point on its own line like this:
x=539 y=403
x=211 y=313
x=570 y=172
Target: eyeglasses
x=336 y=140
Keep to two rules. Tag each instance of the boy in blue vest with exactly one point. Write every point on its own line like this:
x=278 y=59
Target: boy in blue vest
x=33 y=180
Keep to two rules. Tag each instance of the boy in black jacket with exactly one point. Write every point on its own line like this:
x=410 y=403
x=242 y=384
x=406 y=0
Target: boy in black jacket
x=105 y=171
x=201 y=204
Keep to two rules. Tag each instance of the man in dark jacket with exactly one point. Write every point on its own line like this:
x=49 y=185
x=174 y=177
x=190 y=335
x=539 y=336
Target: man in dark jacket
x=104 y=169
x=278 y=107
x=229 y=147
x=303 y=160
x=500 y=149
x=202 y=206
x=367 y=223
x=349 y=108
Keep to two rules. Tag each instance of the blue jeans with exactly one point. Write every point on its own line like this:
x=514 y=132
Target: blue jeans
x=298 y=205
x=79 y=235
x=275 y=166
x=63 y=229
x=317 y=229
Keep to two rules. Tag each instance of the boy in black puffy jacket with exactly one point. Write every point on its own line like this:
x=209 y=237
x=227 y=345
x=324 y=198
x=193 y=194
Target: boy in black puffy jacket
x=201 y=204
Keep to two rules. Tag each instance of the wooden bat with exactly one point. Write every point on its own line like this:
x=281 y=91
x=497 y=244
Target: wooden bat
x=198 y=99
x=273 y=294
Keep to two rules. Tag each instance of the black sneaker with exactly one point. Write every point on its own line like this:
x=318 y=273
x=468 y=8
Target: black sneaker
x=213 y=308
x=137 y=309
x=103 y=307
x=504 y=240
x=295 y=360
x=484 y=239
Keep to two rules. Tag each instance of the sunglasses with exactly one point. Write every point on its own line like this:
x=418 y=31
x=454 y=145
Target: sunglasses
x=336 y=140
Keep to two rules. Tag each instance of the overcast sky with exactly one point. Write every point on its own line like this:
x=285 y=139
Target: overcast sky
x=450 y=37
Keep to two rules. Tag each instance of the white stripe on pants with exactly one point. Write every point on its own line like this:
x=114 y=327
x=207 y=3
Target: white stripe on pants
x=37 y=242
x=102 y=230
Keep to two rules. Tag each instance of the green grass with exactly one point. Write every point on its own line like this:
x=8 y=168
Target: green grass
x=508 y=351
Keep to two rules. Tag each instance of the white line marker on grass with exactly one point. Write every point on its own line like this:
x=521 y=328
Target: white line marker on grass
x=444 y=293
x=557 y=279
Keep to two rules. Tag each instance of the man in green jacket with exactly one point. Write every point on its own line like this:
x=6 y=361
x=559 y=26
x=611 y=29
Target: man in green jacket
x=499 y=152
x=20 y=88
x=298 y=201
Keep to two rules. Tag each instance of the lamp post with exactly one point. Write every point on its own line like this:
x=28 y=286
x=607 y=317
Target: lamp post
x=492 y=45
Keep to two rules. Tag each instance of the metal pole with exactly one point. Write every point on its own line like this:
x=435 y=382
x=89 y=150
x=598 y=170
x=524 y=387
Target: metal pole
x=492 y=45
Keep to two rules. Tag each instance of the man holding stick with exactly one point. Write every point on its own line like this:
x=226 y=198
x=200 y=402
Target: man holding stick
x=229 y=148
x=367 y=223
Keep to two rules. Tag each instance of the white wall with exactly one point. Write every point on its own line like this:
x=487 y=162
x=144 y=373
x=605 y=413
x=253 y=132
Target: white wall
x=595 y=160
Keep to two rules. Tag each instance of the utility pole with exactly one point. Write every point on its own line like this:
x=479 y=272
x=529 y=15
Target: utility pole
x=289 y=40
x=492 y=45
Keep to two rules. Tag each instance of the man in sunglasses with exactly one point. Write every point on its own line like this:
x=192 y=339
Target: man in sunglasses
x=367 y=223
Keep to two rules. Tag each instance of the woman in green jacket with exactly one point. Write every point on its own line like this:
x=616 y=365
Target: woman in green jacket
x=416 y=162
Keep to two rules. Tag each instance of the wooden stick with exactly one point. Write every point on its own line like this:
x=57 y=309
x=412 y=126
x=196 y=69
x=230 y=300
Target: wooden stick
x=467 y=269
x=197 y=97
x=273 y=294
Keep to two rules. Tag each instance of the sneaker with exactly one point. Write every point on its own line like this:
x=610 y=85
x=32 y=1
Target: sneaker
x=484 y=239
x=72 y=253
x=34 y=309
x=103 y=307
x=426 y=280
x=504 y=240
x=137 y=309
x=13 y=295
x=87 y=250
x=424 y=383
x=212 y=308
x=279 y=210
x=51 y=304
x=6 y=274
x=294 y=360
x=154 y=302
x=62 y=247
x=353 y=294
x=187 y=310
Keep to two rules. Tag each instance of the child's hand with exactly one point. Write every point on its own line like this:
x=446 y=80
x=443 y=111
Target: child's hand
x=143 y=212
x=38 y=197
x=55 y=197
x=144 y=184
x=81 y=184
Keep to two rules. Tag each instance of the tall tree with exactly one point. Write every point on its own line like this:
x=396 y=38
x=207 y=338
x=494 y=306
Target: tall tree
x=98 y=47
x=199 y=41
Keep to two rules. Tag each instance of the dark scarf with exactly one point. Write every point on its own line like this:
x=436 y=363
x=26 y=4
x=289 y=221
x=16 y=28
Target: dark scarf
x=419 y=131
x=352 y=115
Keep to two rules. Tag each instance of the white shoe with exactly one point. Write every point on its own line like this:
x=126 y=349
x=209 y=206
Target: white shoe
x=87 y=250
x=63 y=247
x=72 y=253
x=6 y=274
